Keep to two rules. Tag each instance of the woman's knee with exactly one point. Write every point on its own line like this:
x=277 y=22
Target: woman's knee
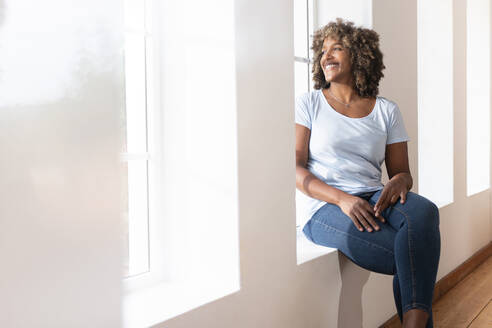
x=421 y=208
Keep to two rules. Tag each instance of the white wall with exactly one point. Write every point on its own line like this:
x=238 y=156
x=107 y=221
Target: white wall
x=357 y=11
x=61 y=98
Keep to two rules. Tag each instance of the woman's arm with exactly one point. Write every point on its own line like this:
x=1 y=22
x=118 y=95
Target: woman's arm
x=305 y=180
x=396 y=159
x=400 y=182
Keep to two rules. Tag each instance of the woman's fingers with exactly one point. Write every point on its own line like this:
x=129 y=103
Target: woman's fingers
x=363 y=221
x=384 y=201
x=370 y=209
x=369 y=218
x=381 y=218
x=356 y=222
x=381 y=203
x=378 y=203
x=372 y=214
x=403 y=196
x=364 y=216
x=366 y=220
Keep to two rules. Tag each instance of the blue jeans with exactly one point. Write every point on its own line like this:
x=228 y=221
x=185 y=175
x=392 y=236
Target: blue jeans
x=408 y=246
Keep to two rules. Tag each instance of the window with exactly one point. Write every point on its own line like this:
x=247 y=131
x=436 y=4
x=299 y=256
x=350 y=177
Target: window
x=181 y=124
x=303 y=36
x=135 y=154
x=303 y=32
x=478 y=96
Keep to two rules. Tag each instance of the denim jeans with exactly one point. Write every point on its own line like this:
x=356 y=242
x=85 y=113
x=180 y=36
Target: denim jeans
x=407 y=246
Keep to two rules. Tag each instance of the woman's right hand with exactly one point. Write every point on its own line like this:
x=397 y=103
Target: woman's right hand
x=360 y=212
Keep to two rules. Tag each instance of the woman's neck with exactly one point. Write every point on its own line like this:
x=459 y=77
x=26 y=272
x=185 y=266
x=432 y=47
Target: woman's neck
x=344 y=92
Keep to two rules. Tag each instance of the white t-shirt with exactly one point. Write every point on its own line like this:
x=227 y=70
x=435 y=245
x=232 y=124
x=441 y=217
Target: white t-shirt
x=345 y=153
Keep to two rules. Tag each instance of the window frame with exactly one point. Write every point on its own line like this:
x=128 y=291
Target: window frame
x=155 y=273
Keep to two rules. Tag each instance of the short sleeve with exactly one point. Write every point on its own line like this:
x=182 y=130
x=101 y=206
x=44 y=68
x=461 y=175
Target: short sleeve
x=302 y=108
x=396 y=127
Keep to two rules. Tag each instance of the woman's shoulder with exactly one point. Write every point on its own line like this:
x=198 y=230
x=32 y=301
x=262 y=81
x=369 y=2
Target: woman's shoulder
x=386 y=103
x=310 y=96
x=309 y=99
x=387 y=106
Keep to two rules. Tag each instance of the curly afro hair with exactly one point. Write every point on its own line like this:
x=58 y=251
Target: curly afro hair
x=365 y=56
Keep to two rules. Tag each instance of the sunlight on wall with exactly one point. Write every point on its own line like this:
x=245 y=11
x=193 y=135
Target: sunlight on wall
x=435 y=100
x=199 y=133
x=478 y=96
x=193 y=184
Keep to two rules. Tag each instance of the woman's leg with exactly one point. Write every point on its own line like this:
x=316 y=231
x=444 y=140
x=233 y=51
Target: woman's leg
x=373 y=251
x=397 y=296
x=332 y=228
x=407 y=246
x=417 y=250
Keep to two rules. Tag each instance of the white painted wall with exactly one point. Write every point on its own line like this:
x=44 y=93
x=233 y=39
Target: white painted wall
x=59 y=125
x=61 y=99
x=357 y=11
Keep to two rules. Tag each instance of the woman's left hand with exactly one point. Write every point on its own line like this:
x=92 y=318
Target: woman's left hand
x=396 y=187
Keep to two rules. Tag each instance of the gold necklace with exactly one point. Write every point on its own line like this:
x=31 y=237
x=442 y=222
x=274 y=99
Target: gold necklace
x=341 y=102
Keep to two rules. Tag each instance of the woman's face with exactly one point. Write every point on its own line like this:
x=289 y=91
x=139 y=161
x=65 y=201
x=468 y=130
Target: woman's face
x=335 y=61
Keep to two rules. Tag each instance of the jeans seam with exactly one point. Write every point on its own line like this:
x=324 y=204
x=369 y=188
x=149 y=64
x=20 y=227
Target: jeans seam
x=412 y=269
x=326 y=226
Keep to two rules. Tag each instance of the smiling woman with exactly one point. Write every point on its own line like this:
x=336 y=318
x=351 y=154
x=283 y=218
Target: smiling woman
x=344 y=132
x=359 y=46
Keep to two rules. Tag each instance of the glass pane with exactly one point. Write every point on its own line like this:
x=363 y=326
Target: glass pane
x=124 y=216
x=300 y=78
x=477 y=96
x=137 y=215
x=300 y=28
x=311 y=24
x=135 y=93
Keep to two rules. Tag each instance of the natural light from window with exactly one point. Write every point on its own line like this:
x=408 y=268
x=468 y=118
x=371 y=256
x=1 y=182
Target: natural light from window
x=435 y=100
x=182 y=90
x=136 y=155
x=478 y=96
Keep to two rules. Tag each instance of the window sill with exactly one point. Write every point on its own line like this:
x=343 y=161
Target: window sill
x=149 y=306
x=153 y=305
x=307 y=250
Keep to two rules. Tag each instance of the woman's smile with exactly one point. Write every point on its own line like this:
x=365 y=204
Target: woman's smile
x=335 y=61
x=332 y=66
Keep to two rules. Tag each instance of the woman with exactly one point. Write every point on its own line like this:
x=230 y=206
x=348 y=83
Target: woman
x=344 y=132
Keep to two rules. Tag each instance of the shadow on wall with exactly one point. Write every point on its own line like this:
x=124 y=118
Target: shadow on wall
x=350 y=303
